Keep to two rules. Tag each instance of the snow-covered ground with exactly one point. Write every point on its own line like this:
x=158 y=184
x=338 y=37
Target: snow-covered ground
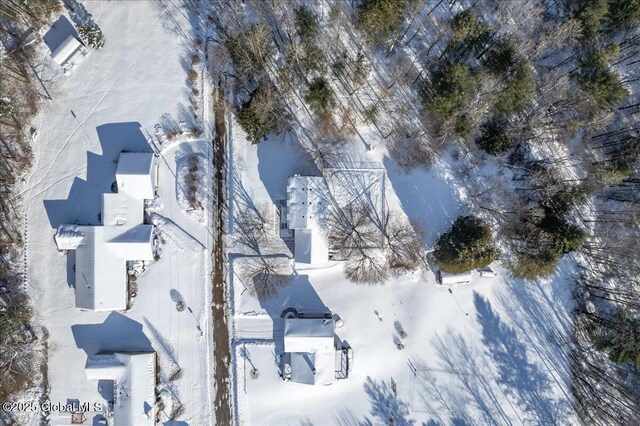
x=111 y=101
x=490 y=352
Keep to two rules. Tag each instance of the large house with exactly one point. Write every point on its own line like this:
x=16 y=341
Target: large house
x=134 y=382
x=310 y=351
x=307 y=204
x=102 y=252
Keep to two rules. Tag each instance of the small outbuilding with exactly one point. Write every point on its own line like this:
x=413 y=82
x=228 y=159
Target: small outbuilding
x=68 y=52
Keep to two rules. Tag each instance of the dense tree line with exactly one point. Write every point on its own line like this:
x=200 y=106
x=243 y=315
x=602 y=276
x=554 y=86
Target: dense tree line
x=21 y=92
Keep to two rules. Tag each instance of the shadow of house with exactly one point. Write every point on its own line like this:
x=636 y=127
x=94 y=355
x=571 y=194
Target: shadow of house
x=71 y=268
x=517 y=374
x=117 y=333
x=299 y=295
x=60 y=30
x=84 y=203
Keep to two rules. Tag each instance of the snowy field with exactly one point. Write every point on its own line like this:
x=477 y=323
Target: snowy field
x=489 y=352
x=110 y=101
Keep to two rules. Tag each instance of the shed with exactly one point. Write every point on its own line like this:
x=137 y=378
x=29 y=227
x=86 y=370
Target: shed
x=445 y=278
x=68 y=52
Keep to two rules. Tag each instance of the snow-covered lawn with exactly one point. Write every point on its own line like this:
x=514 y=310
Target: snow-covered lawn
x=489 y=352
x=111 y=101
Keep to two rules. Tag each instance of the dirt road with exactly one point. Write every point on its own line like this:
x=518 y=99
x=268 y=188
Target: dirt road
x=222 y=357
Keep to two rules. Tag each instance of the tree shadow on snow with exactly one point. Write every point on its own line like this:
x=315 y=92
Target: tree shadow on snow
x=461 y=386
x=521 y=378
x=499 y=382
x=84 y=203
x=386 y=407
x=542 y=315
x=116 y=333
x=79 y=14
x=424 y=196
x=279 y=159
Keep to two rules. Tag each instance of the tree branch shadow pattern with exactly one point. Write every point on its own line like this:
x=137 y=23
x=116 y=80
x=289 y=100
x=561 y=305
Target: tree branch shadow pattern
x=521 y=379
x=506 y=386
x=386 y=407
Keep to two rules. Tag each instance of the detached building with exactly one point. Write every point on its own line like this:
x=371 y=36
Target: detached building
x=68 y=52
x=310 y=351
x=134 y=382
x=102 y=252
x=307 y=204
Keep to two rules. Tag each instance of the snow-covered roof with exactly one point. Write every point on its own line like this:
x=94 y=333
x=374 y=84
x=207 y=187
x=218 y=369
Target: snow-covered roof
x=66 y=50
x=446 y=278
x=133 y=244
x=310 y=343
x=308 y=335
x=307 y=203
x=135 y=174
x=101 y=259
x=313 y=368
x=121 y=209
x=134 y=377
x=101 y=281
x=103 y=251
x=68 y=237
x=311 y=246
x=307 y=199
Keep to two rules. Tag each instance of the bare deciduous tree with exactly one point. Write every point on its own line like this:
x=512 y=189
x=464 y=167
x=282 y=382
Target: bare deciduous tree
x=367 y=266
x=265 y=276
x=404 y=243
x=253 y=226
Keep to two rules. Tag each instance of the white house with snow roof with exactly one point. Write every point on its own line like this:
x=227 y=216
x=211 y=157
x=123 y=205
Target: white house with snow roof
x=102 y=252
x=134 y=382
x=310 y=350
x=307 y=203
